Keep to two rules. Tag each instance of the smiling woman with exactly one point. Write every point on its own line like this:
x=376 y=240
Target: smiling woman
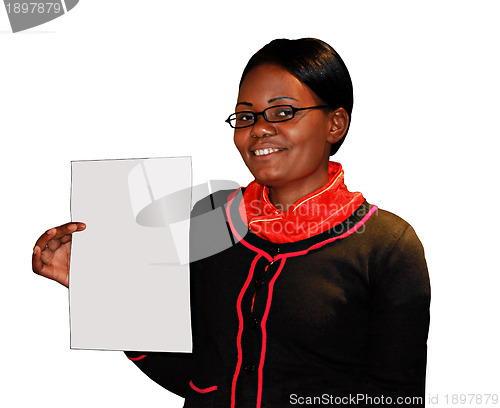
x=322 y=293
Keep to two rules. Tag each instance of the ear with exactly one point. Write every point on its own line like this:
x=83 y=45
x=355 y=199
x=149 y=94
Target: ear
x=339 y=123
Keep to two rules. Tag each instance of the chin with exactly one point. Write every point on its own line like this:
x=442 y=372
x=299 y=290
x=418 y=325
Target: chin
x=269 y=180
x=267 y=175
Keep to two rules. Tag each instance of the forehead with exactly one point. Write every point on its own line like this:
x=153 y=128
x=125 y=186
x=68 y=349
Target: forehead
x=267 y=82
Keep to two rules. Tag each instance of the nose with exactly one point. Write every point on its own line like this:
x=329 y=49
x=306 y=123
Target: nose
x=262 y=128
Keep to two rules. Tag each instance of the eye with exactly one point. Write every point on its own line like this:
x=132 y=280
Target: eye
x=281 y=113
x=244 y=117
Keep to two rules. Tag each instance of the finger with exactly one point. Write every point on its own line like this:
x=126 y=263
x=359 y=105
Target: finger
x=36 y=260
x=53 y=244
x=58 y=232
x=54 y=233
x=46 y=258
x=44 y=238
x=62 y=230
x=47 y=270
x=41 y=262
x=65 y=239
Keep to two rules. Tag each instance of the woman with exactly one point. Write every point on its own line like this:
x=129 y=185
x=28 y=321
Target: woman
x=323 y=298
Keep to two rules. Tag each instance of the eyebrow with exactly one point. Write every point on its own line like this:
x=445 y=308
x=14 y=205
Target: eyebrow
x=269 y=101
x=280 y=97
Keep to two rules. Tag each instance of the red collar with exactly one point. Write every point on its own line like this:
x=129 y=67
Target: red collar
x=313 y=214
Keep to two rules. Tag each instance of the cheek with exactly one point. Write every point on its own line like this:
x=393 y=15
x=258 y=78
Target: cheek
x=310 y=142
x=239 y=142
x=303 y=137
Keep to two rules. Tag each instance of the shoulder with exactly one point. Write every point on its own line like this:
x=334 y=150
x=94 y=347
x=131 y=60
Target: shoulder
x=396 y=250
x=387 y=230
x=387 y=224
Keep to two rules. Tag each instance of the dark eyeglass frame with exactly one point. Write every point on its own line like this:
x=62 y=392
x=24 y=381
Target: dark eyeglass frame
x=263 y=114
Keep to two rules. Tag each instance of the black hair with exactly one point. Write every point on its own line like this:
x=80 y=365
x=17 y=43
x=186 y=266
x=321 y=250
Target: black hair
x=314 y=63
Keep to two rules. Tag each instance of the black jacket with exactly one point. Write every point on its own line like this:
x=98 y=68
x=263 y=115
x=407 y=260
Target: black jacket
x=340 y=318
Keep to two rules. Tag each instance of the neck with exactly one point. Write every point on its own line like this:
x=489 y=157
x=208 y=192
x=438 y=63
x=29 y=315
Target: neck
x=283 y=197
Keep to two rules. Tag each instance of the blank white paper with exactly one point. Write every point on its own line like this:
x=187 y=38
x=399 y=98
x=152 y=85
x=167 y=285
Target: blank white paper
x=129 y=289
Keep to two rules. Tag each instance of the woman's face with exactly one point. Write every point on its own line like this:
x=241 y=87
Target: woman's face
x=300 y=147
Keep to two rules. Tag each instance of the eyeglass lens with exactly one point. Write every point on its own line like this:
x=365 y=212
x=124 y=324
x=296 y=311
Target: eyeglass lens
x=273 y=114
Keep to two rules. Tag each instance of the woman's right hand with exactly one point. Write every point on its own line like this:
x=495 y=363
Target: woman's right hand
x=52 y=252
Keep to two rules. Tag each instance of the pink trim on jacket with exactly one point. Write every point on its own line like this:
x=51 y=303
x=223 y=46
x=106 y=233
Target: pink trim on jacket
x=264 y=332
x=240 y=330
x=137 y=358
x=202 y=390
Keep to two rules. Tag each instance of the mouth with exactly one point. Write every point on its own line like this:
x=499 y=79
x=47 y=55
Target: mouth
x=266 y=151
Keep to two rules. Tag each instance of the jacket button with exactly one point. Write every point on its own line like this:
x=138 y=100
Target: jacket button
x=259 y=282
x=273 y=250
x=254 y=323
x=249 y=368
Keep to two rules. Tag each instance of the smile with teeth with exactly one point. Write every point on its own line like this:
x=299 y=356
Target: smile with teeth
x=264 y=152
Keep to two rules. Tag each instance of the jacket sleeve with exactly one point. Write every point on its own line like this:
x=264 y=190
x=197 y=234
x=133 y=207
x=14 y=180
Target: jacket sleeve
x=170 y=370
x=399 y=323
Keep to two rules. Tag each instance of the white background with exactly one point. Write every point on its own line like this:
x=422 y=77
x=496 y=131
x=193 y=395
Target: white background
x=123 y=79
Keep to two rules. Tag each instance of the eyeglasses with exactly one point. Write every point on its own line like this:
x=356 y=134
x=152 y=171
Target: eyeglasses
x=279 y=113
